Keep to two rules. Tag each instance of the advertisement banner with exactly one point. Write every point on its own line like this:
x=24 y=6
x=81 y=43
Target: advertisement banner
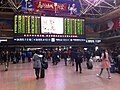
x=48 y=5
x=53 y=6
x=73 y=7
x=44 y=5
x=27 y=5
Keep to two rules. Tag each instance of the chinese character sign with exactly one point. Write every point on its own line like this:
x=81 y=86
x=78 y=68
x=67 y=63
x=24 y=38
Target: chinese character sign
x=53 y=6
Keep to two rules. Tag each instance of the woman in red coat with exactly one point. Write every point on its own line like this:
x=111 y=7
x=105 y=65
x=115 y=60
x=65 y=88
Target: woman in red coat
x=105 y=64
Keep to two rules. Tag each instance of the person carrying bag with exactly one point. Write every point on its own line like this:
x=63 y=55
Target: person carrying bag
x=36 y=64
x=44 y=64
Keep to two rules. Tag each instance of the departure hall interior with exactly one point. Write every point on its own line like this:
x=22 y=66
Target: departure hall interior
x=59 y=44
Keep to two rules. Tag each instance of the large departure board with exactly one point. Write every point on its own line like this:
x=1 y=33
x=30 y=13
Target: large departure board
x=36 y=24
x=27 y=24
x=74 y=26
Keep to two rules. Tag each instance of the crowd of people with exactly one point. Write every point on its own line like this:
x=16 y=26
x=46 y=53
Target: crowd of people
x=69 y=56
x=15 y=57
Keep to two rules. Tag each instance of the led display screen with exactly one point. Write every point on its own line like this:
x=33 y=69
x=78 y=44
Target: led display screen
x=73 y=26
x=51 y=25
x=27 y=24
x=36 y=24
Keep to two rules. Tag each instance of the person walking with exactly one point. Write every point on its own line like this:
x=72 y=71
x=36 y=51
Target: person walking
x=6 y=60
x=65 y=57
x=37 y=63
x=105 y=64
x=72 y=56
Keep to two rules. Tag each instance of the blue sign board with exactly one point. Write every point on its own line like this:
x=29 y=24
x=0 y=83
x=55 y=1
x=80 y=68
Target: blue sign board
x=49 y=39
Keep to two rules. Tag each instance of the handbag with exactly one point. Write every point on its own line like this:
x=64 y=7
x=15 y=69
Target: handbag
x=44 y=64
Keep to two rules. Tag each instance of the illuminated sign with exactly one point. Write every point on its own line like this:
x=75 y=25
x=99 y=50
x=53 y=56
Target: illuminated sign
x=49 y=5
x=49 y=40
x=35 y=24
x=93 y=41
x=50 y=35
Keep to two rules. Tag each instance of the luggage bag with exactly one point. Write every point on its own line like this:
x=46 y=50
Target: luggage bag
x=89 y=65
x=42 y=74
x=112 y=69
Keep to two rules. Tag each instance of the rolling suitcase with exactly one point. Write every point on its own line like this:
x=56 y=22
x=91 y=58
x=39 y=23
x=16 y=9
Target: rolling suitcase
x=42 y=74
x=89 y=65
x=112 y=69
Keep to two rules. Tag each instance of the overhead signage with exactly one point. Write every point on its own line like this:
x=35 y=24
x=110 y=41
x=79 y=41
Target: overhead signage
x=93 y=41
x=49 y=39
x=38 y=39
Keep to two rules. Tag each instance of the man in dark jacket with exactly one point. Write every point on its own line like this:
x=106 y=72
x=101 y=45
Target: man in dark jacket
x=72 y=56
x=17 y=55
x=54 y=57
x=78 y=60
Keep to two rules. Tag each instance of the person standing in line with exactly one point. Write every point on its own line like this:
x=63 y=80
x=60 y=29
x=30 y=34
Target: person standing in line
x=78 y=60
x=105 y=64
x=36 y=63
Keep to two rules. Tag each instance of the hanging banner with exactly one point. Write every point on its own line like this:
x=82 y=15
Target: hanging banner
x=44 y=5
x=48 y=5
x=53 y=6
x=73 y=7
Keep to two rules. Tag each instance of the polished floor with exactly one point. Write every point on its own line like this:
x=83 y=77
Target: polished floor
x=60 y=77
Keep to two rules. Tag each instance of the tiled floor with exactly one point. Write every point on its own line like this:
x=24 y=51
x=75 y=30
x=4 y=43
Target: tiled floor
x=60 y=77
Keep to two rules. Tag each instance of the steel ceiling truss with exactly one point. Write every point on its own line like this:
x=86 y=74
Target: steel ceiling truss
x=97 y=8
x=11 y=4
